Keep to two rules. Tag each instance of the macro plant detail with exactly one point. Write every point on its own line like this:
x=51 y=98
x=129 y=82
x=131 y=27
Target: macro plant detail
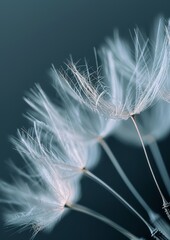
x=124 y=97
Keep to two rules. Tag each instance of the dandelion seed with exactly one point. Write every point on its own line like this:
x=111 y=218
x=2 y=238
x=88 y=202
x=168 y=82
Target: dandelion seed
x=37 y=199
x=69 y=160
x=165 y=204
x=129 y=91
x=40 y=197
x=73 y=119
x=153 y=126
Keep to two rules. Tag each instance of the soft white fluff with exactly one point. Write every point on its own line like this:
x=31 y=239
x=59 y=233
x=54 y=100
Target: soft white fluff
x=70 y=157
x=37 y=197
x=133 y=80
x=67 y=116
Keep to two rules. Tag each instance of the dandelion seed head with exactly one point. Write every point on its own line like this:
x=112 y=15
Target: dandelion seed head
x=133 y=79
x=37 y=198
x=77 y=126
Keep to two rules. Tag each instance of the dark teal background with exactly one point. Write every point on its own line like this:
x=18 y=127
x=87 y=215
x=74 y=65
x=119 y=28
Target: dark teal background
x=36 y=33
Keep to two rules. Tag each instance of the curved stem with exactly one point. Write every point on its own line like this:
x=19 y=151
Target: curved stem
x=160 y=164
x=124 y=177
x=82 y=209
x=148 y=161
x=115 y=194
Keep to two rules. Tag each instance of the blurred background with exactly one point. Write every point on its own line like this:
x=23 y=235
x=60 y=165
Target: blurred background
x=33 y=35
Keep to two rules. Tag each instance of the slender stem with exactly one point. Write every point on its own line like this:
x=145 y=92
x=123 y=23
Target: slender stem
x=148 y=161
x=115 y=194
x=82 y=209
x=158 y=235
x=160 y=163
x=124 y=177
